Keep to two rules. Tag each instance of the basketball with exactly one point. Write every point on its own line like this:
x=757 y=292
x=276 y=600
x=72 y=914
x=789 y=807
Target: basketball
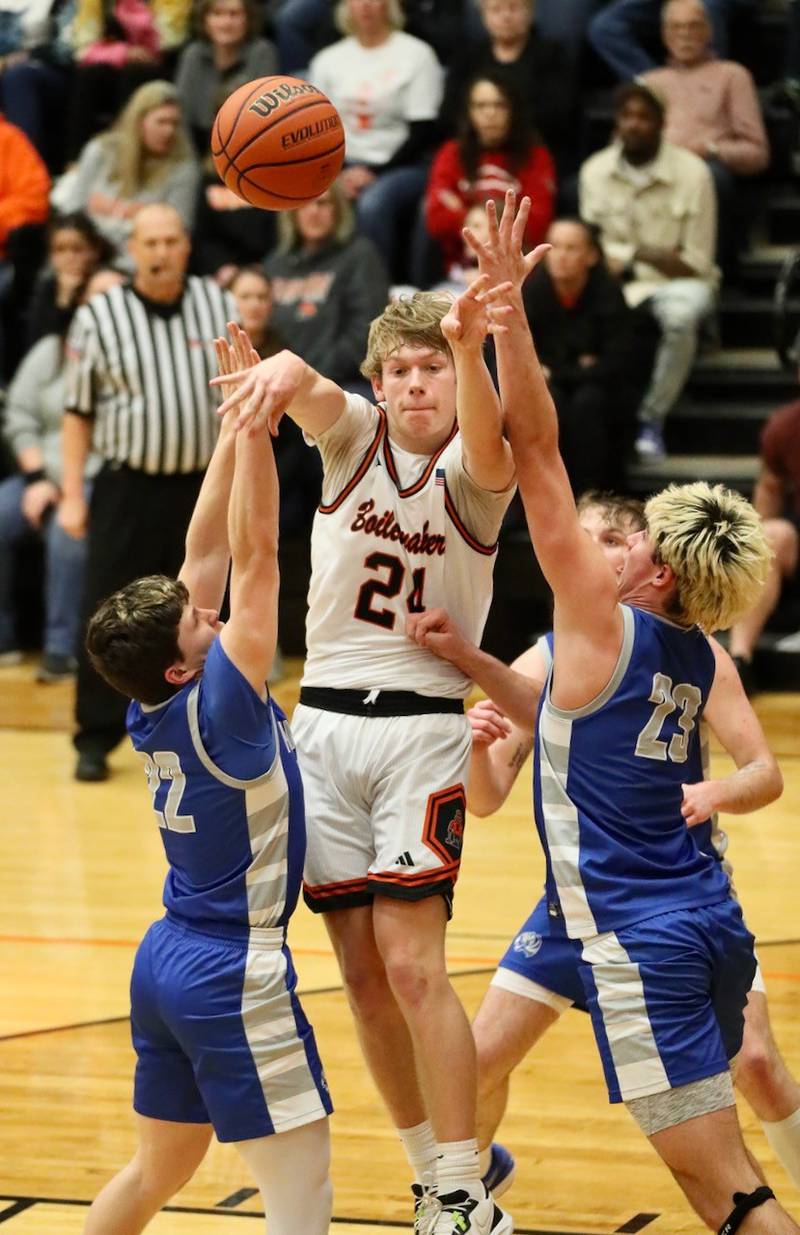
x=277 y=142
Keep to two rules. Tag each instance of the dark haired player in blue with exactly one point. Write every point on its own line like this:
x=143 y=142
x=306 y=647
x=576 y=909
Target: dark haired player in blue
x=221 y=1039
x=666 y=960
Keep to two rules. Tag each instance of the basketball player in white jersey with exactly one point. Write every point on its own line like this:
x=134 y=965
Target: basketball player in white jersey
x=537 y=979
x=665 y=958
x=414 y=493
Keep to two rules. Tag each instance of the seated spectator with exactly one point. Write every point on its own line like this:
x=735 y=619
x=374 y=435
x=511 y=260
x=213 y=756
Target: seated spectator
x=387 y=86
x=538 y=69
x=712 y=109
x=252 y=291
x=327 y=285
x=24 y=207
x=35 y=63
x=496 y=150
x=304 y=27
x=655 y=209
x=777 y=500
x=586 y=342
x=145 y=157
x=33 y=419
x=119 y=45
x=227 y=53
x=622 y=30
x=76 y=250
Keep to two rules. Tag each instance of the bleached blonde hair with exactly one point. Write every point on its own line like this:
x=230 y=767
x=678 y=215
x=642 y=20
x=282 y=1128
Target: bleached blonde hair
x=394 y=16
x=415 y=321
x=714 y=542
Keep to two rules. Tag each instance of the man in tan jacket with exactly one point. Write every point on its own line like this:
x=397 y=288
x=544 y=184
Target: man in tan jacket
x=655 y=207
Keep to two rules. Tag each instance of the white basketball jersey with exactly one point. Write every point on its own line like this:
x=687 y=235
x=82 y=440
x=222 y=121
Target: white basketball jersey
x=379 y=552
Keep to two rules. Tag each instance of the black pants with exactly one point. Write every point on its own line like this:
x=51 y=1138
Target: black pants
x=595 y=425
x=137 y=526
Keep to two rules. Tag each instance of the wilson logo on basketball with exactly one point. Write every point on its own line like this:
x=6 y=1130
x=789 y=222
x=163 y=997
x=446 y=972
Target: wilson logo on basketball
x=272 y=99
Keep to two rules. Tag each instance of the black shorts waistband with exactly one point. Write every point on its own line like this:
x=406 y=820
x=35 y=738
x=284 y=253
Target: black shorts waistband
x=377 y=702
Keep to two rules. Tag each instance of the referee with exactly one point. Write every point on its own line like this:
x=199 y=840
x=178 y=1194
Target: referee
x=140 y=357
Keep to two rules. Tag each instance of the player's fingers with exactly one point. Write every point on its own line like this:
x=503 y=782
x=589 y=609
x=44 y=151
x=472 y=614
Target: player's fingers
x=238 y=376
x=491 y=216
x=519 y=223
x=476 y=246
x=477 y=288
x=509 y=208
x=488 y=295
x=533 y=258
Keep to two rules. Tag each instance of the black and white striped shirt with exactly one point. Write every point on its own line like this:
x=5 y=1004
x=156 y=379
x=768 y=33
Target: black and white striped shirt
x=142 y=371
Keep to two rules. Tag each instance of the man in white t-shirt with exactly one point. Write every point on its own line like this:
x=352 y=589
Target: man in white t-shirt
x=412 y=502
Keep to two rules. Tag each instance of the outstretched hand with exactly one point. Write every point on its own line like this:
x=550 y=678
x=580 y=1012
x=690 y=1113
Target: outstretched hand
x=474 y=315
x=501 y=255
x=261 y=390
x=238 y=354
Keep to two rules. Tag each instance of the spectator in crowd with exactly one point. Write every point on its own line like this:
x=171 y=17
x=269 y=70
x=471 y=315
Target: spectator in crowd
x=496 y=150
x=119 y=45
x=33 y=419
x=303 y=27
x=24 y=207
x=655 y=209
x=513 y=47
x=76 y=250
x=387 y=86
x=140 y=357
x=588 y=350
x=777 y=500
x=227 y=232
x=227 y=53
x=252 y=291
x=712 y=109
x=35 y=63
x=145 y=157
x=621 y=31
x=327 y=284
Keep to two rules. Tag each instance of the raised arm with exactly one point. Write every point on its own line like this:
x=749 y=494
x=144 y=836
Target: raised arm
x=588 y=635
x=486 y=453
x=282 y=384
x=250 y=635
x=757 y=780
x=207 y=556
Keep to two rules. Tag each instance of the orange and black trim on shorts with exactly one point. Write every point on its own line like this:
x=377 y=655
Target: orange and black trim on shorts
x=343 y=894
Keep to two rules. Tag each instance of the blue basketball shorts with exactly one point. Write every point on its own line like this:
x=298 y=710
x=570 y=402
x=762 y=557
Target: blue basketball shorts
x=667 y=996
x=220 y=1035
x=542 y=966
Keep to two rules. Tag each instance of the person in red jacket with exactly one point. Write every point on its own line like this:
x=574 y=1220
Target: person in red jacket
x=496 y=150
x=24 y=200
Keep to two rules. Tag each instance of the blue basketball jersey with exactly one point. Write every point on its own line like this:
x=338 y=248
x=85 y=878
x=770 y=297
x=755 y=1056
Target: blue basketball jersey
x=607 y=786
x=228 y=799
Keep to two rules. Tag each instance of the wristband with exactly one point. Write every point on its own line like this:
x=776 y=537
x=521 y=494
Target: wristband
x=33 y=478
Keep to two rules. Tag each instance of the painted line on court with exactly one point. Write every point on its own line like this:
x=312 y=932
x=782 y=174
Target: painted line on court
x=21 y=1203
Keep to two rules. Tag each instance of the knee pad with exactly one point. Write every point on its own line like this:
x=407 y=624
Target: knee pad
x=743 y=1202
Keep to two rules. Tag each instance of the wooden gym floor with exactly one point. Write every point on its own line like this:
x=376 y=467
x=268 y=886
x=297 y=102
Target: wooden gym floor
x=81 y=868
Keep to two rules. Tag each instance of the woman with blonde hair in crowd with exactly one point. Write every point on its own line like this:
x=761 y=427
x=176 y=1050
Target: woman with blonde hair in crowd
x=144 y=157
x=387 y=86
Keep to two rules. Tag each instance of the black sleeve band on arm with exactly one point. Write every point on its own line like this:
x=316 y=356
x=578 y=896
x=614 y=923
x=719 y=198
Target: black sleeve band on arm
x=743 y=1203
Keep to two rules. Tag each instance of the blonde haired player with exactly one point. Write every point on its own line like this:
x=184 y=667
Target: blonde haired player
x=413 y=497
x=538 y=976
x=666 y=960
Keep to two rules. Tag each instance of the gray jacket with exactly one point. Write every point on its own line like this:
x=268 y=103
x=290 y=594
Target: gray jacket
x=35 y=406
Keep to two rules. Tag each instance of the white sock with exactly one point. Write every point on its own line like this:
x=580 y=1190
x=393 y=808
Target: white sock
x=419 y=1143
x=484 y=1160
x=784 y=1137
x=458 y=1167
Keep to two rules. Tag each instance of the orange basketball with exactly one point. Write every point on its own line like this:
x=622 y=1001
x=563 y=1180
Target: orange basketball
x=277 y=142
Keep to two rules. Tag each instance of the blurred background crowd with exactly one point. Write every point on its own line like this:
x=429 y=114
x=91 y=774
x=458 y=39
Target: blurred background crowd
x=660 y=147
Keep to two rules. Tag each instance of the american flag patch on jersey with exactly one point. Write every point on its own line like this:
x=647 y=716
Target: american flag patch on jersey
x=440 y=476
